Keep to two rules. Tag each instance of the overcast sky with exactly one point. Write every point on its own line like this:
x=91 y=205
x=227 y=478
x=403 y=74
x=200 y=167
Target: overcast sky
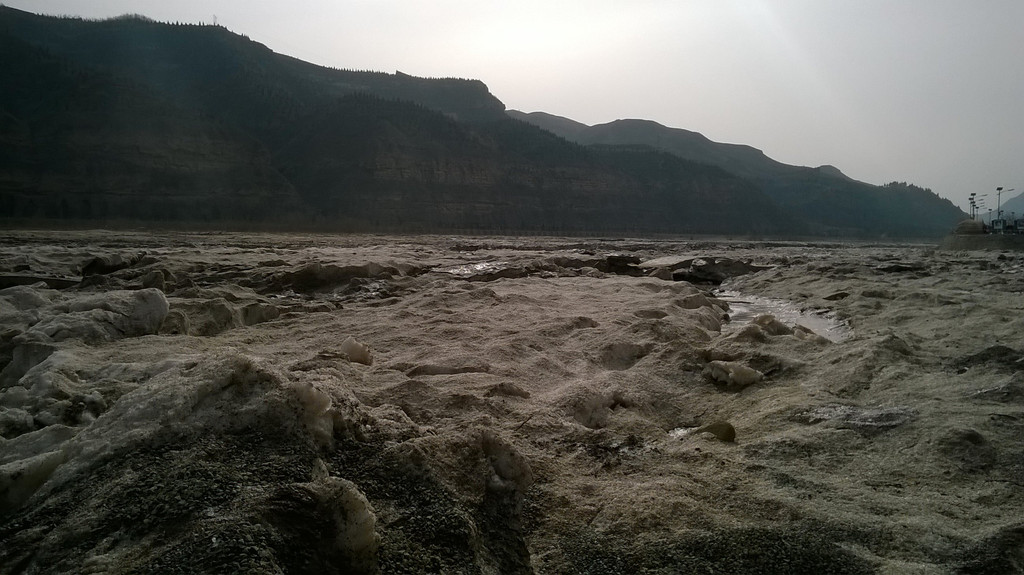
x=925 y=91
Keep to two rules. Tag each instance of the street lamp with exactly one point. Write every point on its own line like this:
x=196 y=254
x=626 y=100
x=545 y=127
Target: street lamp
x=999 y=197
x=999 y=202
x=1000 y=205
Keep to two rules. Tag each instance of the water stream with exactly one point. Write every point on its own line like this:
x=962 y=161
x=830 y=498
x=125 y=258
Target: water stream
x=745 y=307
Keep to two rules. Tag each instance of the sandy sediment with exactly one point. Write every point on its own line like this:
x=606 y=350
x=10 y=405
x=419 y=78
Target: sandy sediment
x=361 y=404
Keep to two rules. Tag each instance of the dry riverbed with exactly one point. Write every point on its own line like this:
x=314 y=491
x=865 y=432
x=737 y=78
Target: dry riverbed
x=193 y=403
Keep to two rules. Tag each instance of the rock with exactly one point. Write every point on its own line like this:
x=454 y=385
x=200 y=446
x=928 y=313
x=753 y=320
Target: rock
x=722 y=430
x=772 y=326
x=357 y=352
x=210 y=317
x=750 y=333
x=509 y=468
x=968 y=449
x=996 y=356
x=15 y=422
x=336 y=504
x=26 y=355
x=807 y=334
x=175 y=323
x=20 y=479
x=837 y=296
x=661 y=273
x=258 y=312
x=106 y=317
x=354 y=516
x=622 y=265
x=101 y=265
x=154 y=279
x=733 y=375
x=868 y=421
x=714 y=270
x=315 y=277
x=27 y=298
x=51 y=281
x=694 y=301
x=708 y=318
x=671 y=263
x=488 y=271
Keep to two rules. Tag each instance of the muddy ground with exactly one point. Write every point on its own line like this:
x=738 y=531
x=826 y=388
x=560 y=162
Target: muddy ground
x=210 y=403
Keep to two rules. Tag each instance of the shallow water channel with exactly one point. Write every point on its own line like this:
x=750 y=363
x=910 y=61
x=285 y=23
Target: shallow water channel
x=745 y=307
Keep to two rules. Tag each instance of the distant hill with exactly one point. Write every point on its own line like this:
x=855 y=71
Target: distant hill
x=831 y=202
x=739 y=159
x=225 y=73
x=1013 y=204
x=130 y=119
x=133 y=119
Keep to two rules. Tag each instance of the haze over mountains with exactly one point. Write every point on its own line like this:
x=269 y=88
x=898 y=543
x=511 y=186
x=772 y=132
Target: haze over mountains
x=1012 y=204
x=129 y=119
x=827 y=199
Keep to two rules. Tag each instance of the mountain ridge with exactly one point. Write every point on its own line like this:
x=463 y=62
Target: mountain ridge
x=308 y=146
x=831 y=201
x=741 y=159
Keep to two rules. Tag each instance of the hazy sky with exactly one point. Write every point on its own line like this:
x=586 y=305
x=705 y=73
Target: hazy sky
x=925 y=91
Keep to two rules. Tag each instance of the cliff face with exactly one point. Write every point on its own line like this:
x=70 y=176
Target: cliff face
x=829 y=202
x=87 y=145
x=190 y=123
x=133 y=119
x=397 y=170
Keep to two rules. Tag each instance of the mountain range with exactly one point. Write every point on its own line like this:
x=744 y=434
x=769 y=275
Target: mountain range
x=129 y=120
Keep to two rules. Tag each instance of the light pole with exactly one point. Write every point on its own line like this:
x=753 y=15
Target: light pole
x=999 y=208
x=999 y=197
x=999 y=203
x=970 y=202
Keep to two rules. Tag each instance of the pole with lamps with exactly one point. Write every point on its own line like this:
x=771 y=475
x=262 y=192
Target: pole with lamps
x=999 y=202
x=999 y=198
